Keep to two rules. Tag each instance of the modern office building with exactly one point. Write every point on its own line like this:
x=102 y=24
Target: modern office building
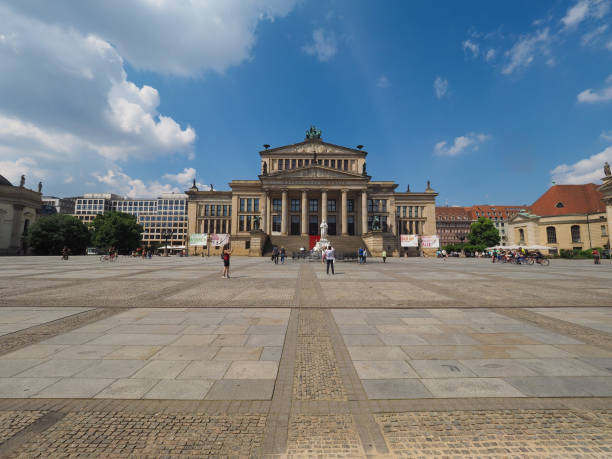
x=55 y=205
x=165 y=214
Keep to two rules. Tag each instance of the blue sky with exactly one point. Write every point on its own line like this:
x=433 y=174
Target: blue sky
x=491 y=101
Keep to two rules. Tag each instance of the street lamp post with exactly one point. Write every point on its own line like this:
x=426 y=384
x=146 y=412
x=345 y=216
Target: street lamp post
x=166 y=234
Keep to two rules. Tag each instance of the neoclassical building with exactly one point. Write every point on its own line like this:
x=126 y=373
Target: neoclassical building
x=303 y=184
x=19 y=208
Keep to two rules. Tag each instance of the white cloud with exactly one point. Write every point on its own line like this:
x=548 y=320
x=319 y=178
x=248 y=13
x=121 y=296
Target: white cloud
x=606 y=135
x=525 y=49
x=490 y=55
x=592 y=37
x=440 y=87
x=119 y=182
x=184 y=38
x=382 y=82
x=323 y=45
x=13 y=170
x=469 y=45
x=185 y=178
x=609 y=45
x=584 y=9
x=587 y=170
x=603 y=95
x=471 y=141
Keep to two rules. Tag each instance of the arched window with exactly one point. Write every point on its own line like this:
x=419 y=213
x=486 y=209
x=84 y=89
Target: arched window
x=575 y=233
x=521 y=235
x=551 y=235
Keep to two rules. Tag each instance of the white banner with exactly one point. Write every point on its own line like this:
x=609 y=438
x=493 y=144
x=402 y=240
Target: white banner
x=430 y=242
x=219 y=240
x=198 y=239
x=409 y=240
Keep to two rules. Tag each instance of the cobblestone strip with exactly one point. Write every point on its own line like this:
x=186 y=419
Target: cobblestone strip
x=323 y=436
x=276 y=431
x=37 y=333
x=13 y=422
x=316 y=374
x=517 y=433
x=120 y=434
x=585 y=334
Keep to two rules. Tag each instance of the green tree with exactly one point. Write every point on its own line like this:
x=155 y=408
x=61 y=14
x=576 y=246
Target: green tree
x=116 y=229
x=49 y=235
x=483 y=233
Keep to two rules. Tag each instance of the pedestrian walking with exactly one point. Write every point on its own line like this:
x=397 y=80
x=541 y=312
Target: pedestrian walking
x=330 y=256
x=360 y=255
x=384 y=256
x=227 y=252
x=596 y=256
x=65 y=253
x=283 y=255
x=365 y=256
x=275 y=255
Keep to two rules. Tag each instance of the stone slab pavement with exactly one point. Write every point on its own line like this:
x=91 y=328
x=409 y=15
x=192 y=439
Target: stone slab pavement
x=413 y=357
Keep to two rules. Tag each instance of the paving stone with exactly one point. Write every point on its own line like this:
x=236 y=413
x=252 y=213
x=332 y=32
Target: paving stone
x=194 y=340
x=127 y=389
x=184 y=389
x=470 y=387
x=74 y=388
x=372 y=369
x=549 y=386
x=498 y=367
x=441 y=369
x=204 y=369
x=133 y=353
x=239 y=353
x=377 y=353
x=230 y=340
x=389 y=389
x=162 y=369
x=186 y=353
x=112 y=369
x=11 y=367
x=136 y=339
x=57 y=368
x=241 y=389
x=397 y=340
x=265 y=340
x=362 y=340
x=23 y=387
x=271 y=353
x=252 y=370
x=323 y=436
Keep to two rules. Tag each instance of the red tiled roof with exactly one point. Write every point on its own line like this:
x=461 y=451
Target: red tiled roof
x=576 y=199
x=485 y=210
x=449 y=212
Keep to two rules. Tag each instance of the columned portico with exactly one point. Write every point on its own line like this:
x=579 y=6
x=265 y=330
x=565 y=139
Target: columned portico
x=364 y=212
x=323 y=205
x=304 y=208
x=344 y=211
x=284 y=212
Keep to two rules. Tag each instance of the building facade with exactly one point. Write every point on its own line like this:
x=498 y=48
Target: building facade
x=301 y=185
x=453 y=224
x=55 y=205
x=19 y=208
x=566 y=217
x=499 y=215
x=166 y=214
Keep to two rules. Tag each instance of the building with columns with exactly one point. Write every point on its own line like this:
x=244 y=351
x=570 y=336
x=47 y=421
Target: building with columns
x=301 y=185
x=19 y=208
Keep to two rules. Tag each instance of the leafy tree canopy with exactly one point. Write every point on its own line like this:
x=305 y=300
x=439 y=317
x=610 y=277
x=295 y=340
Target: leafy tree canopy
x=49 y=235
x=483 y=233
x=116 y=229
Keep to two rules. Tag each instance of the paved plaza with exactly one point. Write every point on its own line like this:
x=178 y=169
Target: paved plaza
x=413 y=357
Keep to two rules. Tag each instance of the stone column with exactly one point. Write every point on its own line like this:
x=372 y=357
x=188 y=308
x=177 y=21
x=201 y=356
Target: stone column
x=304 y=213
x=284 y=213
x=324 y=205
x=264 y=213
x=268 y=228
x=17 y=229
x=344 y=213
x=364 y=212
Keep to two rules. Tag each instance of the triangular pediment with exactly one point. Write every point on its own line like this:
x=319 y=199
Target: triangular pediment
x=309 y=172
x=311 y=147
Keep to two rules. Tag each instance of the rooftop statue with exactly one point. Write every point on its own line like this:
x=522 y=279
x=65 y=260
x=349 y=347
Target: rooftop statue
x=313 y=133
x=607 y=169
x=22 y=181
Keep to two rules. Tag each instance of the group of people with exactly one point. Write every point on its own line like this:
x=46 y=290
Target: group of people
x=516 y=255
x=363 y=255
x=279 y=253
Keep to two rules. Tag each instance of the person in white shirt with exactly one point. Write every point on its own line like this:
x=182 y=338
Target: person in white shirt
x=330 y=256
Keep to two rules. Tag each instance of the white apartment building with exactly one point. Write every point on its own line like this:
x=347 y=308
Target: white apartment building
x=168 y=212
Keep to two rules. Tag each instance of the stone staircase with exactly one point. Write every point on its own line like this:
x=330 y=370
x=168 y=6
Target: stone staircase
x=344 y=245
x=290 y=243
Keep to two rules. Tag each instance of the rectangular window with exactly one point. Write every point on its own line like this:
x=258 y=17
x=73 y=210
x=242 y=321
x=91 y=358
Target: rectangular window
x=370 y=205
x=256 y=205
x=276 y=223
x=409 y=211
x=277 y=205
x=249 y=205
x=229 y=211
x=286 y=164
x=242 y=204
x=219 y=210
x=384 y=205
x=350 y=205
x=280 y=164
x=295 y=205
x=604 y=231
x=313 y=205
x=331 y=205
x=241 y=223
x=293 y=163
x=326 y=162
x=225 y=210
x=346 y=164
x=416 y=211
x=249 y=219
